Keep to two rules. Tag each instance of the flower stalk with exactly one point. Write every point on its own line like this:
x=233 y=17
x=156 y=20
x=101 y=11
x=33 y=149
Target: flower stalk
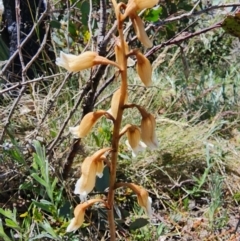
x=116 y=129
x=138 y=137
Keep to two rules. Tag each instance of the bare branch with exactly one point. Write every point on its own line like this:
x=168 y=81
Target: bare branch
x=180 y=38
x=43 y=16
x=47 y=78
x=192 y=13
x=39 y=50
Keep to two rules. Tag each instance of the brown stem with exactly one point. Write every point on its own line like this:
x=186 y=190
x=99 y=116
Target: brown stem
x=132 y=186
x=124 y=130
x=116 y=130
x=93 y=201
x=141 y=109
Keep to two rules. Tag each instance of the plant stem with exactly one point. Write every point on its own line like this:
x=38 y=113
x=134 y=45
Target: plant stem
x=115 y=138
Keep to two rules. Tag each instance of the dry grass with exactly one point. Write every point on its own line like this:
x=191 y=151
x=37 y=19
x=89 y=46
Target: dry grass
x=199 y=137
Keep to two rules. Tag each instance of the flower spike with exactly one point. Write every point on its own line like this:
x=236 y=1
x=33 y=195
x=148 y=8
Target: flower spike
x=88 y=121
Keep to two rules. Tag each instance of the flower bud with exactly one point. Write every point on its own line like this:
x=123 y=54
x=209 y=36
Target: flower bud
x=88 y=121
x=140 y=31
x=115 y=103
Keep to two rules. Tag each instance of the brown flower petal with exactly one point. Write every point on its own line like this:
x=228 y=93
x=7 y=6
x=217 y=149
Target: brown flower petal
x=88 y=121
x=144 y=69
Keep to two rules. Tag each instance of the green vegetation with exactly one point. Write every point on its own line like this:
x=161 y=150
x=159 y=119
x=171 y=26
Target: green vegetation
x=193 y=177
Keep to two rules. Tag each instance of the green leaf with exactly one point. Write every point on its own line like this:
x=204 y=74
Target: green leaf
x=95 y=137
x=8 y=213
x=231 y=24
x=11 y=224
x=40 y=151
x=45 y=205
x=72 y=28
x=185 y=6
x=37 y=215
x=153 y=15
x=103 y=183
x=171 y=28
x=4 y=53
x=138 y=223
x=64 y=211
x=55 y=24
x=26 y=186
x=39 y=179
x=2 y=233
x=47 y=227
x=85 y=8
x=123 y=156
x=54 y=183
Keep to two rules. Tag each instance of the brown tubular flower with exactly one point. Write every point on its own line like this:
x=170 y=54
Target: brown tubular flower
x=88 y=59
x=144 y=200
x=79 y=213
x=144 y=69
x=142 y=196
x=133 y=142
x=148 y=125
x=148 y=134
x=88 y=121
x=115 y=103
x=78 y=219
x=90 y=168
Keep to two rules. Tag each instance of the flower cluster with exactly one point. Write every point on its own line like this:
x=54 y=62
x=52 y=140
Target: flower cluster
x=138 y=137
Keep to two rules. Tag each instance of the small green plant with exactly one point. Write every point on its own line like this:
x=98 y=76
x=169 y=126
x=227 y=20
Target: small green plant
x=40 y=164
x=47 y=209
x=216 y=195
x=198 y=188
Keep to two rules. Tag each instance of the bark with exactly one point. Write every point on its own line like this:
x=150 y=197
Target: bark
x=30 y=11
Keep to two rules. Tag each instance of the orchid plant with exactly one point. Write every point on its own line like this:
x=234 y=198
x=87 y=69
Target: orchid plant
x=138 y=138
